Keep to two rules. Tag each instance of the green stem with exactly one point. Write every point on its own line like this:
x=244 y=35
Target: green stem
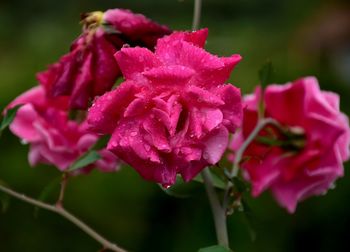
x=219 y=213
x=64 y=181
x=196 y=14
x=239 y=154
x=67 y=215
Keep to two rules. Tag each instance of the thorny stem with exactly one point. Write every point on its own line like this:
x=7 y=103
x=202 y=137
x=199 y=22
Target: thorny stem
x=219 y=213
x=67 y=215
x=196 y=14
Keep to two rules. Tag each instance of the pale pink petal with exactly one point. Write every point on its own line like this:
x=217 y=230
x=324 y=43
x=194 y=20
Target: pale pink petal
x=215 y=145
x=22 y=126
x=106 y=110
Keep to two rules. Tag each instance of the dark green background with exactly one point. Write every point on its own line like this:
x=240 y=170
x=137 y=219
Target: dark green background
x=137 y=214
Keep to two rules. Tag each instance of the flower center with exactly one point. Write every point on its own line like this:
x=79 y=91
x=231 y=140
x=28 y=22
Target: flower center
x=92 y=20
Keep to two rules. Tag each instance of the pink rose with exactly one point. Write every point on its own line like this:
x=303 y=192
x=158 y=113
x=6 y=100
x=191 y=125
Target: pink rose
x=89 y=69
x=173 y=112
x=313 y=158
x=53 y=138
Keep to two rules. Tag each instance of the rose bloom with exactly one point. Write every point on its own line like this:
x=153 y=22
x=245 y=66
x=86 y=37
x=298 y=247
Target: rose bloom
x=318 y=145
x=173 y=113
x=89 y=69
x=53 y=138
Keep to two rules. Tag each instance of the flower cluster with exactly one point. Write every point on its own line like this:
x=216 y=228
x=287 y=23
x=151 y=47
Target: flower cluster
x=88 y=70
x=174 y=112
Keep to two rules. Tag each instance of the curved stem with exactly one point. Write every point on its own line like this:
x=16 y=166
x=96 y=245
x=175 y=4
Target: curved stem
x=196 y=14
x=67 y=215
x=219 y=213
x=239 y=154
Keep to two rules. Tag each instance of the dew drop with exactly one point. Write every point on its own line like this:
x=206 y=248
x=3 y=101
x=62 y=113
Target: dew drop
x=134 y=133
x=24 y=141
x=166 y=186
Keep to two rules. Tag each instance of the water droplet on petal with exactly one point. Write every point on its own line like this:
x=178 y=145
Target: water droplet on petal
x=23 y=141
x=134 y=133
x=166 y=186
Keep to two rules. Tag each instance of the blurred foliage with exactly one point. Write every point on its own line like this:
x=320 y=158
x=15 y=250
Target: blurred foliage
x=137 y=214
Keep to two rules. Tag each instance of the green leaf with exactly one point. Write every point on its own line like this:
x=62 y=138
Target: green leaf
x=218 y=182
x=265 y=74
x=181 y=189
x=101 y=142
x=216 y=248
x=8 y=118
x=240 y=185
x=89 y=158
x=249 y=217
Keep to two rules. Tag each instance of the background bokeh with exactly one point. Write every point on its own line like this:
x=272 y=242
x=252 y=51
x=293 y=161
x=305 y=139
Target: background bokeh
x=300 y=37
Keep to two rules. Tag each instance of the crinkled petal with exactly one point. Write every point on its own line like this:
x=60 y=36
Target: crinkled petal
x=197 y=38
x=200 y=96
x=232 y=109
x=169 y=75
x=104 y=113
x=134 y=61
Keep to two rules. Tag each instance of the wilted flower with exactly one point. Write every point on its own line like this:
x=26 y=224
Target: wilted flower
x=173 y=113
x=306 y=156
x=89 y=69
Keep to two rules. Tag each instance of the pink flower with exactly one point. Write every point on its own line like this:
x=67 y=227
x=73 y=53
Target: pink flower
x=135 y=29
x=53 y=138
x=310 y=163
x=173 y=112
x=89 y=69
